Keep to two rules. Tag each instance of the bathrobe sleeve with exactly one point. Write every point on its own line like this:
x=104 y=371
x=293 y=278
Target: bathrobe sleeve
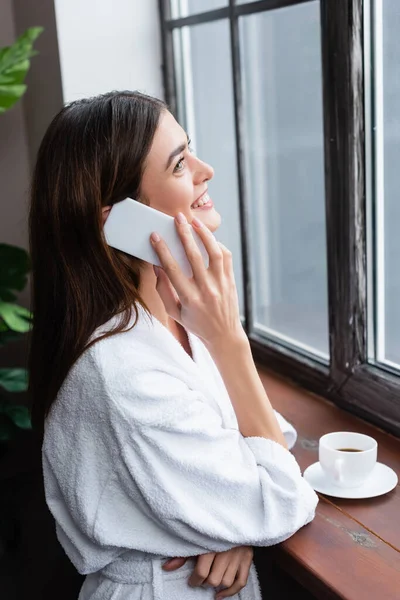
x=199 y=484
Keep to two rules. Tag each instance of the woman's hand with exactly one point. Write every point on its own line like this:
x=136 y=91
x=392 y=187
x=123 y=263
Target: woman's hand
x=228 y=569
x=206 y=304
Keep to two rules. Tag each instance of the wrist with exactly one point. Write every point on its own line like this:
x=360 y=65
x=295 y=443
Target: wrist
x=232 y=344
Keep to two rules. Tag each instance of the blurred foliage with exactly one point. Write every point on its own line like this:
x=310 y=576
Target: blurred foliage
x=14 y=65
x=15 y=320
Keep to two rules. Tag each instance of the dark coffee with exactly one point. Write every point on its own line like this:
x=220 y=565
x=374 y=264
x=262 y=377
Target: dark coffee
x=349 y=450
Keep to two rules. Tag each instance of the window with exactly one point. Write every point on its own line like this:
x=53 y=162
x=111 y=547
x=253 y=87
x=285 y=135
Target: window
x=280 y=58
x=296 y=104
x=384 y=206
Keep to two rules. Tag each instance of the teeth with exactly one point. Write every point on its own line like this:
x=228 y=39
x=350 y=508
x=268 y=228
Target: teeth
x=202 y=201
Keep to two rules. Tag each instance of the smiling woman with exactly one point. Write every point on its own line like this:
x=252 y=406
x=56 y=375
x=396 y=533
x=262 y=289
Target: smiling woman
x=148 y=443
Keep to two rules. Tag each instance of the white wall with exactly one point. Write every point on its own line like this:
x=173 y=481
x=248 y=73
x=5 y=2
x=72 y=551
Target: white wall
x=109 y=45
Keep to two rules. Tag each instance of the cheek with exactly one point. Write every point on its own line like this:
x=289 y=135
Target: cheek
x=173 y=194
x=183 y=189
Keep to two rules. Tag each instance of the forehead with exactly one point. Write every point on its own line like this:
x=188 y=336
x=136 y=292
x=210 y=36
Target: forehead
x=168 y=136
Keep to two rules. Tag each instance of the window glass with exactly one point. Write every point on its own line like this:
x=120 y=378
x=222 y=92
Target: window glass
x=282 y=108
x=386 y=205
x=184 y=8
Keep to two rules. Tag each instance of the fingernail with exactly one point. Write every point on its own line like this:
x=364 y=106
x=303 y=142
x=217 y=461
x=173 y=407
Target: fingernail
x=195 y=221
x=155 y=237
x=156 y=270
x=180 y=217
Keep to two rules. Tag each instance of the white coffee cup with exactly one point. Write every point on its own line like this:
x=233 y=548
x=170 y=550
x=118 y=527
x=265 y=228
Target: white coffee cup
x=347 y=469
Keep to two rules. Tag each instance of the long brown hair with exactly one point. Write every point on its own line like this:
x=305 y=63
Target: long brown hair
x=91 y=156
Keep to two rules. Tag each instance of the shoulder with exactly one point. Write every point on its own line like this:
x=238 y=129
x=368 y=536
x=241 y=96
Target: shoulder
x=112 y=354
x=137 y=363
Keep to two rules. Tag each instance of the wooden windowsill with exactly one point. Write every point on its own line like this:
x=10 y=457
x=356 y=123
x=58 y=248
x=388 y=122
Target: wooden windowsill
x=351 y=550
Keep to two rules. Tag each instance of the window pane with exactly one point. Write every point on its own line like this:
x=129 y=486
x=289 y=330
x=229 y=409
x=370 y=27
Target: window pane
x=183 y=8
x=387 y=205
x=206 y=110
x=282 y=93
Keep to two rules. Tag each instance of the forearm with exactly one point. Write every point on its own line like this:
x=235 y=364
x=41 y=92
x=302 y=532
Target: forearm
x=250 y=402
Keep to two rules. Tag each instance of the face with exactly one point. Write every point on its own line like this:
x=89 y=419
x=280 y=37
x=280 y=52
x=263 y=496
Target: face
x=174 y=179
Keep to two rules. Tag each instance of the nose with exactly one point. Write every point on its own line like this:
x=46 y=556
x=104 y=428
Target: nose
x=203 y=171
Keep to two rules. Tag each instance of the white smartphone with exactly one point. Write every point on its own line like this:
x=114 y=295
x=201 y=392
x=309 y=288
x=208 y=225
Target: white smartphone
x=128 y=228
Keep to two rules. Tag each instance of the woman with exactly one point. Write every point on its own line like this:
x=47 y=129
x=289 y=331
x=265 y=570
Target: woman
x=159 y=440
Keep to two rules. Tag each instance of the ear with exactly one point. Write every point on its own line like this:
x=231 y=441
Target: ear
x=105 y=212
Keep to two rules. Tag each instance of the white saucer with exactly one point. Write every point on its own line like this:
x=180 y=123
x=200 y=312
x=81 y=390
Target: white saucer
x=382 y=480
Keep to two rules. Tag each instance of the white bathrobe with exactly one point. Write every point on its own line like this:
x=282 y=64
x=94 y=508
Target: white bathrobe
x=143 y=461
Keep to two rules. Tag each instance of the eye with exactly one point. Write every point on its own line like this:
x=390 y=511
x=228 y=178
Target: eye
x=179 y=165
x=181 y=162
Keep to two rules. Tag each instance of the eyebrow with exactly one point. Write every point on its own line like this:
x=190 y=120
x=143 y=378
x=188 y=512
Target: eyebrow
x=177 y=151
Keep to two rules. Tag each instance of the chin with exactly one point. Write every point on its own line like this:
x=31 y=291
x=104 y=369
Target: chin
x=211 y=219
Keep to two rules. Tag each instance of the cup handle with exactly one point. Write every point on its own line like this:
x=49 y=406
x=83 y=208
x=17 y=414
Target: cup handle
x=337 y=470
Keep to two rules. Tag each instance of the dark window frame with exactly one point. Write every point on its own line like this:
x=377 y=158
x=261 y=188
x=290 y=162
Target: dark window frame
x=349 y=380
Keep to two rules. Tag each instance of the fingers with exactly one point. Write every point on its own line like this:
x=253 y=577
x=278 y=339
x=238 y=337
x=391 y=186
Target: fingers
x=220 y=258
x=226 y=574
x=231 y=591
x=228 y=569
x=228 y=262
x=214 y=250
x=174 y=563
x=214 y=570
x=239 y=583
x=228 y=578
x=171 y=268
x=202 y=569
x=192 y=250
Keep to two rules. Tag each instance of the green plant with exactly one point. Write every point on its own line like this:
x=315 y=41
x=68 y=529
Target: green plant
x=14 y=262
x=14 y=65
x=14 y=322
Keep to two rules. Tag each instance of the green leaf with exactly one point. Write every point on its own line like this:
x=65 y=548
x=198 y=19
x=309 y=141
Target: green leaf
x=21 y=49
x=14 y=267
x=16 y=317
x=15 y=74
x=19 y=415
x=9 y=95
x=14 y=65
x=14 y=380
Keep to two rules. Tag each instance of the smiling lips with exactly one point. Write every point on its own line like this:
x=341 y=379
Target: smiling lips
x=204 y=201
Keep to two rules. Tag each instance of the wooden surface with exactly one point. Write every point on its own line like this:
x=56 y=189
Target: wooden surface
x=351 y=550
